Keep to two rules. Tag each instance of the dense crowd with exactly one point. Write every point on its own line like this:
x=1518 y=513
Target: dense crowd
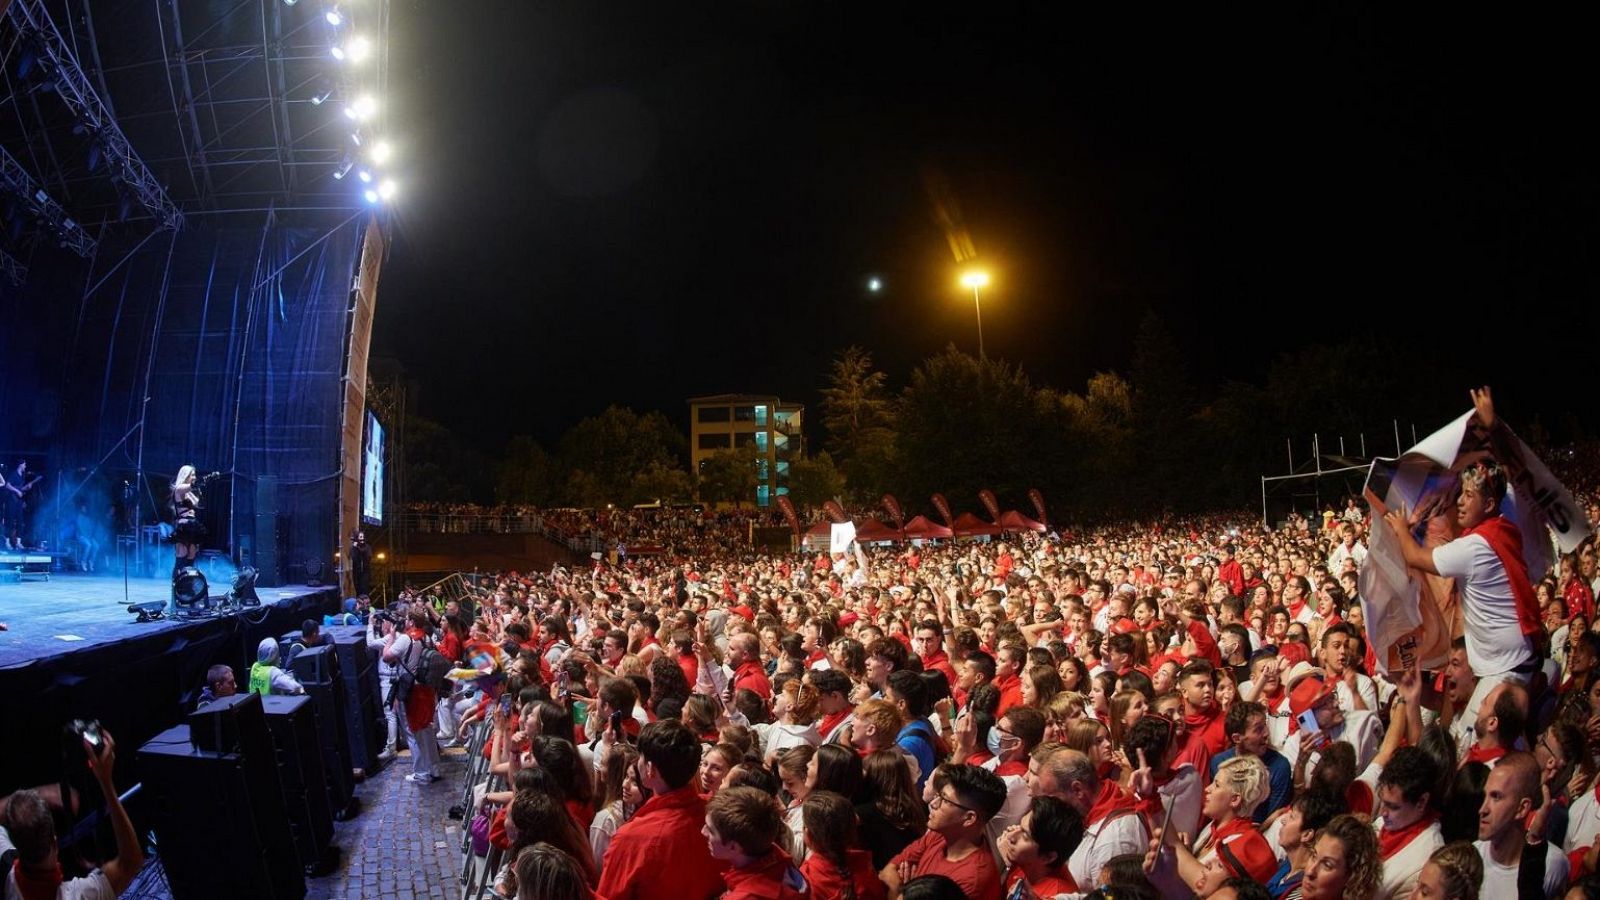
x=1183 y=709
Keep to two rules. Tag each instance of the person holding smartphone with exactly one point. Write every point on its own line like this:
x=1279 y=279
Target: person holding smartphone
x=28 y=837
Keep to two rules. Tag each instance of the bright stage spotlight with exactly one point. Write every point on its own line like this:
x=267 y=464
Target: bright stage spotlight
x=338 y=52
x=371 y=195
x=351 y=114
x=387 y=190
x=190 y=593
x=358 y=49
x=366 y=106
x=365 y=176
x=381 y=151
x=321 y=97
x=244 y=587
x=333 y=16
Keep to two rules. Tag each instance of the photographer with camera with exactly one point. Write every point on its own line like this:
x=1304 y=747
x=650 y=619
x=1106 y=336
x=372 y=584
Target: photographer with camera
x=28 y=850
x=381 y=632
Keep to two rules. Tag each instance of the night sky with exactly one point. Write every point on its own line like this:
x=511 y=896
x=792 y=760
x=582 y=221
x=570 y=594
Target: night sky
x=637 y=203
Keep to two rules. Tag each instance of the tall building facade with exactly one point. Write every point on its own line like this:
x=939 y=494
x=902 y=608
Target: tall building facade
x=762 y=422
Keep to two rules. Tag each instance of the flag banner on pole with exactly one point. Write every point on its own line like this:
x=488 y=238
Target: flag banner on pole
x=835 y=511
x=1411 y=615
x=1038 y=506
x=892 y=507
x=986 y=497
x=787 y=505
x=943 y=506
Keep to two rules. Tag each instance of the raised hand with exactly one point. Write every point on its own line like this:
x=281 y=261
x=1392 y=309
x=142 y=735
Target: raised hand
x=1142 y=782
x=1483 y=404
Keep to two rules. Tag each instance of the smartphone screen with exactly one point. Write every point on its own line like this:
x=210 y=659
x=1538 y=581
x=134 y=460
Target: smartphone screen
x=1166 y=820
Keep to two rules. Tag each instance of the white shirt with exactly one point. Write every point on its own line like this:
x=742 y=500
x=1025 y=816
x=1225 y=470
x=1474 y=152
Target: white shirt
x=1012 y=811
x=1495 y=642
x=1361 y=729
x=1400 y=871
x=1364 y=685
x=1501 y=881
x=94 y=886
x=1110 y=837
x=1583 y=822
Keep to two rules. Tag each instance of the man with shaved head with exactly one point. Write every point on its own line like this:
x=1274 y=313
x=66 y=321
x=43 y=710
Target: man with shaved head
x=1509 y=796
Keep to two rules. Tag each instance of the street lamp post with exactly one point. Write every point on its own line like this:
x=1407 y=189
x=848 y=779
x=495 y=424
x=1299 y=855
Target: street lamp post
x=977 y=280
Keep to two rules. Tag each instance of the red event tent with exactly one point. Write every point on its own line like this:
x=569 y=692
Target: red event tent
x=1012 y=520
x=923 y=528
x=969 y=525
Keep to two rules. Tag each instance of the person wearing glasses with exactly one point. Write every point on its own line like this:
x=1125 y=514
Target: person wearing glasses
x=961 y=801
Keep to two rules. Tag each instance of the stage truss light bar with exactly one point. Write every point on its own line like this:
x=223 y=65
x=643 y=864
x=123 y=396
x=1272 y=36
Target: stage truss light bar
x=52 y=215
x=12 y=270
x=33 y=22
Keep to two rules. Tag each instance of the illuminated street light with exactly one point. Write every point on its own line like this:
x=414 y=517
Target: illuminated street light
x=976 y=280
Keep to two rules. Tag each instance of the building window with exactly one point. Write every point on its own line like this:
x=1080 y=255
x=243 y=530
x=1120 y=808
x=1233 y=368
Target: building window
x=713 y=441
x=763 y=496
x=761 y=441
x=763 y=470
x=761 y=416
x=744 y=438
x=714 y=413
x=745 y=413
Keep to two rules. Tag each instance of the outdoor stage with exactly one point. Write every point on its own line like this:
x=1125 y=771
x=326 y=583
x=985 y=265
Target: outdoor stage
x=74 y=651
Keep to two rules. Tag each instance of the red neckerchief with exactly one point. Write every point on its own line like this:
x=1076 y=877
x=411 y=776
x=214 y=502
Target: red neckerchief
x=1392 y=842
x=815 y=655
x=980 y=757
x=1506 y=542
x=830 y=722
x=1198 y=722
x=1014 y=767
x=1274 y=702
x=1235 y=825
x=1358 y=796
x=34 y=886
x=1483 y=755
x=1111 y=799
x=1296 y=607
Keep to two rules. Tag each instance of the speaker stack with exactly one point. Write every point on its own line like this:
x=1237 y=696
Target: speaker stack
x=358 y=668
x=217 y=806
x=294 y=735
x=317 y=670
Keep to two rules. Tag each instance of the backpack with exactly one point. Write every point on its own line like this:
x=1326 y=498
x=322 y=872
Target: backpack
x=429 y=670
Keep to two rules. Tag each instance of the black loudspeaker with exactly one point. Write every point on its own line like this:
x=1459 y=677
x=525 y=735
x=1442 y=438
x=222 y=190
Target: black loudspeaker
x=358 y=669
x=294 y=735
x=317 y=670
x=268 y=535
x=221 y=829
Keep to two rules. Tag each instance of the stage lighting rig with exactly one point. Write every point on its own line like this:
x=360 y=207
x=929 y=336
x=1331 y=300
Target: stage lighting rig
x=190 y=592
x=52 y=217
x=59 y=66
x=149 y=611
x=244 y=587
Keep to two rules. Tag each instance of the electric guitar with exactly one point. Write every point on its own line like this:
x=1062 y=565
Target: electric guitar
x=23 y=489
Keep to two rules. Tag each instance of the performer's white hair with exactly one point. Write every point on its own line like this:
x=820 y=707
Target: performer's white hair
x=185 y=475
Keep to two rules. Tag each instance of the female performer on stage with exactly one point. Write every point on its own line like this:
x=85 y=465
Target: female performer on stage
x=188 y=532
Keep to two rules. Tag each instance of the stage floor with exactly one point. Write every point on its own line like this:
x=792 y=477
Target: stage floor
x=72 y=613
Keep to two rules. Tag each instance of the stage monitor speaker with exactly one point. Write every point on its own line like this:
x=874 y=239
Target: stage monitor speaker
x=219 y=818
x=293 y=724
x=268 y=534
x=233 y=724
x=358 y=668
x=317 y=670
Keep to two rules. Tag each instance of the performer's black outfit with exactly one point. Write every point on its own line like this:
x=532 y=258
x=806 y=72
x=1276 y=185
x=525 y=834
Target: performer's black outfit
x=188 y=531
x=361 y=565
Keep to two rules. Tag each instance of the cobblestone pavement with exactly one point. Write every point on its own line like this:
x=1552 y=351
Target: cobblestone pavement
x=403 y=846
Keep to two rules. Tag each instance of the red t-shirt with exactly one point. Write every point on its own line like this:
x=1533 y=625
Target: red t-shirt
x=976 y=873
x=828 y=882
x=660 y=853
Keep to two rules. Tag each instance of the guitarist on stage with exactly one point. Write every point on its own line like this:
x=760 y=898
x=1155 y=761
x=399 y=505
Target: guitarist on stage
x=14 y=486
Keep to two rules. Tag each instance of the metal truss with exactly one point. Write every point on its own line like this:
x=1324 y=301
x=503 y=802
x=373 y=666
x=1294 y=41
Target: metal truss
x=52 y=216
x=34 y=24
x=12 y=270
